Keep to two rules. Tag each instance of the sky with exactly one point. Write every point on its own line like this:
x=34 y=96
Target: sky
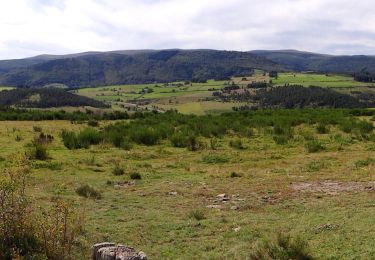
x=33 y=27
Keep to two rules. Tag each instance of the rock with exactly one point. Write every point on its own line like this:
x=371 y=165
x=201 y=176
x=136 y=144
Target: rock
x=234 y=208
x=111 y=251
x=173 y=193
x=223 y=197
x=213 y=206
x=237 y=229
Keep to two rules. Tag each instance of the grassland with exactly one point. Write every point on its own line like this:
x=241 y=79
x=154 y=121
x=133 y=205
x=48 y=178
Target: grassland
x=320 y=80
x=327 y=197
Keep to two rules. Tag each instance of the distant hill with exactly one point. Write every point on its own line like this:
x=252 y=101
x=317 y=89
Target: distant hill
x=44 y=98
x=307 y=61
x=150 y=66
x=131 y=67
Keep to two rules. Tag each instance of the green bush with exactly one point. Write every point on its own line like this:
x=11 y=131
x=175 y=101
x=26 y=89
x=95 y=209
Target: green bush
x=364 y=163
x=83 y=139
x=213 y=159
x=88 y=192
x=314 y=146
x=237 y=144
x=179 y=139
x=322 y=129
x=39 y=152
x=118 y=171
x=197 y=214
x=365 y=127
x=135 y=176
x=283 y=248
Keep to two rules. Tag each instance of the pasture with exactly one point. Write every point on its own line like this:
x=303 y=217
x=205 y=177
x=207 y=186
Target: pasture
x=177 y=210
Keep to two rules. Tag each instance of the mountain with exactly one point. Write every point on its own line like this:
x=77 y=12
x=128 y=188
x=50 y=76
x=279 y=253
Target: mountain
x=307 y=61
x=130 y=67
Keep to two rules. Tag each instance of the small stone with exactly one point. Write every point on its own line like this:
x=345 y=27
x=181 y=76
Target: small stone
x=173 y=193
x=237 y=229
x=213 y=206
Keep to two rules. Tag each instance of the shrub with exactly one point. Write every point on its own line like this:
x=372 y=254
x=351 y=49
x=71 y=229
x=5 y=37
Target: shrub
x=179 y=139
x=93 y=123
x=135 y=176
x=235 y=175
x=237 y=144
x=365 y=127
x=213 y=159
x=83 y=139
x=283 y=248
x=126 y=145
x=214 y=144
x=347 y=126
x=39 y=152
x=118 y=171
x=147 y=136
x=364 y=163
x=280 y=139
x=18 y=232
x=322 y=129
x=37 y=129
x=197 y=214
x=193 y=143
x=88 y=192
x=314 y=146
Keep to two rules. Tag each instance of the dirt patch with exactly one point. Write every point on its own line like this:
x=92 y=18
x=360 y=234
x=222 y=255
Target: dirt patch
x=333 y=187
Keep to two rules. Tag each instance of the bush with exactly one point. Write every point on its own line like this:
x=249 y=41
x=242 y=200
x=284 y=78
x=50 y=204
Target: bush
x=314 y=146
x=179 y=139
x=235 y=175
x=364 y=163
x=322 y=129
x=118 y=171
x=214 y=144
x=135 y=176
x=39 y=152
x=83 y=139
x=280 y=139
x=237 y=144
x=213 y=159
x=37 y=129
x=197 y=214
x=284 y=248
x=93 y=123
x=27 y=232
x=18 y=232
x=88 y=192
x=365 y=127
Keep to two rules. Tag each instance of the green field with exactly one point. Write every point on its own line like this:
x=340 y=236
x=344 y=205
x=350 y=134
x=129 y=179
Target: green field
x=320 y=80
x=325 y=197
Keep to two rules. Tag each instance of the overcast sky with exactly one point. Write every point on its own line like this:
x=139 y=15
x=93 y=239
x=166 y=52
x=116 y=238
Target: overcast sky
x=32 y=27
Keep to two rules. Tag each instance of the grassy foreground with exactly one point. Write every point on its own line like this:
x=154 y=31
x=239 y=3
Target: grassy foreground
x=174 y=212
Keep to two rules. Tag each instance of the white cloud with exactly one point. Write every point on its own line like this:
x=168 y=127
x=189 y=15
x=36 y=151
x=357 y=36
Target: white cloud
x=31 y=27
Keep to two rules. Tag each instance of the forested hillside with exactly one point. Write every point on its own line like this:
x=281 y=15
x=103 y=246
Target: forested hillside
x=95 y=69
x=307 y=61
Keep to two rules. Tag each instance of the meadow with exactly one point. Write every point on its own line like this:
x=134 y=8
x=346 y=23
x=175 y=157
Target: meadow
x=319 y=80
x=307 y=173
